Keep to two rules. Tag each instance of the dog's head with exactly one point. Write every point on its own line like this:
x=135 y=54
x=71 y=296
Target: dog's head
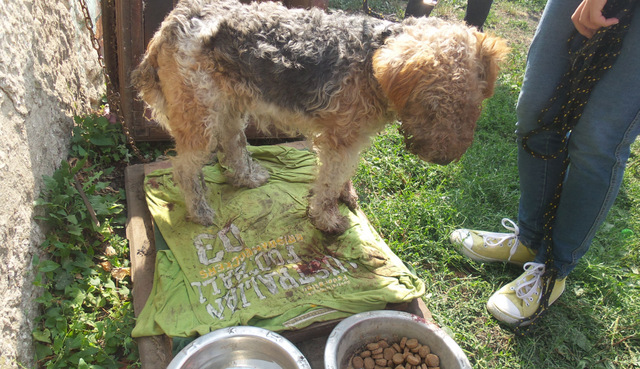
x=436 y=75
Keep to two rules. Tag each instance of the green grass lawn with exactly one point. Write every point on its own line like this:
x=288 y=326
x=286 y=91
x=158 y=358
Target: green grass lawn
x=87 y=315
x=416 y=205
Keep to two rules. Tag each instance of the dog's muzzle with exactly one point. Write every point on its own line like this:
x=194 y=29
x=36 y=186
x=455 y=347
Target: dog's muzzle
x=428 y=155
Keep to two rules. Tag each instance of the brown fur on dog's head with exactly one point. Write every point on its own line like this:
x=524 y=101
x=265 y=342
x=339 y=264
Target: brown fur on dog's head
x=436 y=75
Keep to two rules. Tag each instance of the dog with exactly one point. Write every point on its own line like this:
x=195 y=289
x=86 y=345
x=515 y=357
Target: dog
x=336 y=78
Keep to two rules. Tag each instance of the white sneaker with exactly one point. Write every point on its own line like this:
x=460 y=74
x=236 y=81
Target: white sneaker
x=520 y=299
x=491 y=247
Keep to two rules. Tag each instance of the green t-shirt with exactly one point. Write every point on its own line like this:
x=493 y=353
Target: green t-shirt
x=263 y=263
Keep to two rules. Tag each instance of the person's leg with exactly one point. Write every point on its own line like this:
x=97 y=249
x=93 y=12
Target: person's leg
x=599 y=148
x=547 y=62
x=477 y=12
x=419 y=8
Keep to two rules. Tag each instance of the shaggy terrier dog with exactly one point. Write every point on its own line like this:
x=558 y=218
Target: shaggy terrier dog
x=335 y=78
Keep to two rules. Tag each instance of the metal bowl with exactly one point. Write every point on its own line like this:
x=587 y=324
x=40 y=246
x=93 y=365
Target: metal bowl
x=240 y=347
x=353 y=333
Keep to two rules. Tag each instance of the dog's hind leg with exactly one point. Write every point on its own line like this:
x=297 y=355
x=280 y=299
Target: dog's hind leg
x=187 y=171
x=241 y=169
x=194 y=147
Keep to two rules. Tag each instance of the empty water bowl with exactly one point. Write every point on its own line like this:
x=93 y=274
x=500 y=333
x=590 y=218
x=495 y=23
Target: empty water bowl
x=352 y=334
x=240 y=348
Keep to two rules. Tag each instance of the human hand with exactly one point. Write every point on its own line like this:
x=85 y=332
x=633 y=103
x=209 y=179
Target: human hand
x=588 y=17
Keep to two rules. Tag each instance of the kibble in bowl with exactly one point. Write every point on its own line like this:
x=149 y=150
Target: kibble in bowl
x=407 y=353
x=358 y=335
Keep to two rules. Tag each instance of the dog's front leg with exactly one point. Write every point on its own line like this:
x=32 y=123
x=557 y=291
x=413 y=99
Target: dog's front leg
x=349 y=196
x=241 y=170
x=336 y=166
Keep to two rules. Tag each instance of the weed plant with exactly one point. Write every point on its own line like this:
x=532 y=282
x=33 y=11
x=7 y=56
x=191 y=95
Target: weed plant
x=87 y=315
x=87 y=312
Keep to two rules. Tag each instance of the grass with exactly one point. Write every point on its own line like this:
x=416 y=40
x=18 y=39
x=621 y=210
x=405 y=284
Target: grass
x=415 y=206
x=87 y=312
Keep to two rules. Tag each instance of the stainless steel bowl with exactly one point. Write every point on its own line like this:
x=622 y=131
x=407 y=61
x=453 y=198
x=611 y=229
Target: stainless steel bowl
x=240 y=347
x=353 y=333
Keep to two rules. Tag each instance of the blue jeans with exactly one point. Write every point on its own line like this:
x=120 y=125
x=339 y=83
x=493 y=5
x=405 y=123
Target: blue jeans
x=599 y=145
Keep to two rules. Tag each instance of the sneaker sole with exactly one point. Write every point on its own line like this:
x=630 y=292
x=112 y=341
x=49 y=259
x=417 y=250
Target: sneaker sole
x=499 y=315
x=507 y=319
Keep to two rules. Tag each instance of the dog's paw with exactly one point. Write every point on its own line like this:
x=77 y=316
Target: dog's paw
x=259 y=175
x=201 y=214
x=252 y=177
x=333 y=227
x=332 y=223
x=349 y=196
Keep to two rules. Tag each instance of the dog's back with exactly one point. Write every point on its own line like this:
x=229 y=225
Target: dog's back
x=308 y=51
x=263 y=46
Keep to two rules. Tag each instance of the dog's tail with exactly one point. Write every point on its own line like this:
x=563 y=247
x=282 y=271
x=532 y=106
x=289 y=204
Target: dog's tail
x=146 y=81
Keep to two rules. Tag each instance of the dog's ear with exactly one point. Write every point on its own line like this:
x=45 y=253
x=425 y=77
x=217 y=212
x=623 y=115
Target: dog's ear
x=490 y=53
x=397 y=77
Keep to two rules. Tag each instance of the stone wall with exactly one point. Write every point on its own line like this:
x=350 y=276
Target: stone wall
x=48 y=74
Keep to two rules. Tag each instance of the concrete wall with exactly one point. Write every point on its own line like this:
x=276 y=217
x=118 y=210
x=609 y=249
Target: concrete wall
x=48 y=74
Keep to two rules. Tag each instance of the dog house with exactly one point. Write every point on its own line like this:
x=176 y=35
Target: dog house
x=128 y=27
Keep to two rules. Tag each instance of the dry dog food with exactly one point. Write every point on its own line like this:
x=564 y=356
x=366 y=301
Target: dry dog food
x=408 y=353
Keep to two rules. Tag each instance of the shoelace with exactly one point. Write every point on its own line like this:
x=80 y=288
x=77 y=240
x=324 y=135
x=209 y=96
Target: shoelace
x=493 y=241
x=526 y=287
